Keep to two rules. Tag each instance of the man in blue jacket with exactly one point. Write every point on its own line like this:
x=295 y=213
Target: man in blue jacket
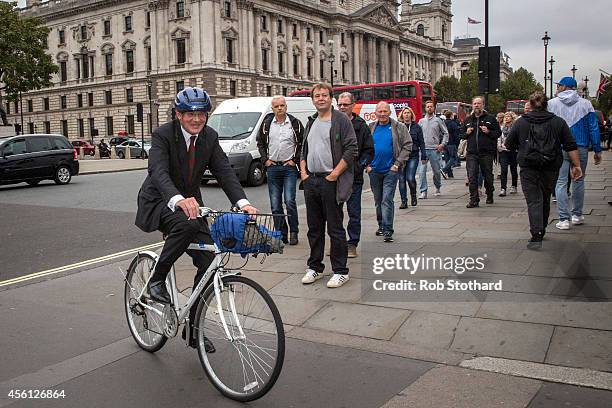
x=579 y=115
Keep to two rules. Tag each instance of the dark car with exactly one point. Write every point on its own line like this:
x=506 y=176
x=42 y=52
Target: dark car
x=32 y=158
x=118 y=140
x=88 y=148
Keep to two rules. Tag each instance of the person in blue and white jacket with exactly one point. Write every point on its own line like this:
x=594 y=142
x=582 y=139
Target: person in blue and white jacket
x=580 y=117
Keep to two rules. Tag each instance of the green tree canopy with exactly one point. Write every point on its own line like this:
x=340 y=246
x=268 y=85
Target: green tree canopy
x=24 y=64
x=447 y=89
x=519 y=85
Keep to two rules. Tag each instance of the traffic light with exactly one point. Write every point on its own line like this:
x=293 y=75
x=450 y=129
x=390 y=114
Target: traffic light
x=493 y=72
x=139 y=112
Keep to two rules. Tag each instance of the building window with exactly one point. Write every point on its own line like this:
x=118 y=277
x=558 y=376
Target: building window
x=147 y=19
x=8 y=108
x=342 y=39
x=109 y=126
x=63 y=71
x=64 y=124
x=90 y=99
x=180 y=85
x=78 y=68
x=264 y=23
x=62 y=37
x=227 y=8
x=269 y=90
x=83 y=33
x=85 y=62
x=63 y=102
x=281 y=59
x=309 y=67
x=229 y=49
x=308 y=34
x=321 y=69
x=129 y=95
x=92 y=65
x=108 y=97
x=180 y=51
x=47 y=126
x=31 y=127
x=295 y=30
x=128 y=23
x=81 y=126
x=46 y=104
x=264 y=59
x=30 y=106
x=180 y=9
x=148 y=52
x=296 y=62
x=421 y=30
x=92 y=126
x=280 y=26
x=284 y=91
x=130 y=124
x=343 y=69
x=129 y=59
x=321 y=37
x=108 y=64
x=232 y=84
x=107 y=27
x=80 y=100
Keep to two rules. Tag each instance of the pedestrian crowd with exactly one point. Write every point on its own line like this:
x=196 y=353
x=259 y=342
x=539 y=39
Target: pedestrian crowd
x=336 y=149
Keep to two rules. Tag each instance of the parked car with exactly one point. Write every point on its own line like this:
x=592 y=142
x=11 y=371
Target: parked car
x=87 y=147
x=32 y=158
x=118 y=140
x=136 y=149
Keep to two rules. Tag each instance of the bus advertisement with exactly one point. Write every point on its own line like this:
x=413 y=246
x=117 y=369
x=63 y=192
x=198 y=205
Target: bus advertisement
x=412 y=94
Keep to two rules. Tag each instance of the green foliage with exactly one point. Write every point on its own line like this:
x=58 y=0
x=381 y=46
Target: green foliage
x=519 y=85
x=468 y=84
x=447 y=89
x=24 y=64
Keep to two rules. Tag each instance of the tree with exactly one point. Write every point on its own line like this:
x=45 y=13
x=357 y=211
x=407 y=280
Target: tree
x=519 y=85
x=605 y=101
x=468 y=84
x=24 y=64
x=447 y=89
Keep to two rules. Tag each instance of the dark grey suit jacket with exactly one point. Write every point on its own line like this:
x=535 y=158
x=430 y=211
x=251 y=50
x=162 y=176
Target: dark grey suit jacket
x=168 y=172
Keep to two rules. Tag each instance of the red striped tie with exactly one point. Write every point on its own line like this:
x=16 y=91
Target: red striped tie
x=191 y=153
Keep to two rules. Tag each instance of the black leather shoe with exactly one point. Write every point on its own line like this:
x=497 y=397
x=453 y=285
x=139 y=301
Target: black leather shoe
x=209 y=347
x=472 y=204
x=403 y=205
x=293 y=238
x=158 y=291
x=490 y=199
x=413 y=200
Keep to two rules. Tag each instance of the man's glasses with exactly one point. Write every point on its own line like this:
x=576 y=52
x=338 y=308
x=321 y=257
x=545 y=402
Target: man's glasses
x=344 y=104
x=195 y=115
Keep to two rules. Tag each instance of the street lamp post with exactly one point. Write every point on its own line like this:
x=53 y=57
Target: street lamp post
x=149 y=88
x=551 y=62
x=574 y=69
x=331 y=58
x=546 y=39
x=586 y=87
x=21 y=110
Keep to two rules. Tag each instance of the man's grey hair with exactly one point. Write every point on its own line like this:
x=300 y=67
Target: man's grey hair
x=277 y=97
x=347 y=95
x=383 y=104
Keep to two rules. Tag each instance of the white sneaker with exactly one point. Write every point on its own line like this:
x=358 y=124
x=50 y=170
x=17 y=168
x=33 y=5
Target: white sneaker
x=563 y=225
x=337 y=280
x=311 y=276
x=577 y=220
x=423 y=195
x=437 y=193
x=512 y=190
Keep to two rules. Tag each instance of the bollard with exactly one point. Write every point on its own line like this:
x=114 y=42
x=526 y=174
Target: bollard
x=81 y=156
x=96 y=153
x=113 y=152
x=128 y=153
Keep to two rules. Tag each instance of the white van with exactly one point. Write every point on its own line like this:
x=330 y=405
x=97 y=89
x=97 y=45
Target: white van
x=237 y=122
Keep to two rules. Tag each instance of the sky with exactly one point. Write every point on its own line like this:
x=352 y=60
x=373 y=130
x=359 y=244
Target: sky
x=580 y=33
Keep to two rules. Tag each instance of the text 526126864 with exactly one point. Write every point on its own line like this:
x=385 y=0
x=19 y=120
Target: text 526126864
x=36 y=394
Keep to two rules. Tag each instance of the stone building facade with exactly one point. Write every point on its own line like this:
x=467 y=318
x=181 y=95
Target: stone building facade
x=466 y=50
x=113 y=54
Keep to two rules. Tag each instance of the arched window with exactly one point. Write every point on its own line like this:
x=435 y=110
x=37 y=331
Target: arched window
x=421 y=30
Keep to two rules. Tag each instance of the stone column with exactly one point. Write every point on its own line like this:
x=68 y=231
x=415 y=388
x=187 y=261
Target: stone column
x=196 y=52
x=164 y=39
x=252 y=45
x=395 y=64
x=218 y=38
x=244 y=36
x=208 y=33
x=257 y=45
x=317 y=55
x=337 y=65
x=274 y=47
x=303 y=55
x=372 y=59
x=154 y=38
x=384 y=60
x=356 y=56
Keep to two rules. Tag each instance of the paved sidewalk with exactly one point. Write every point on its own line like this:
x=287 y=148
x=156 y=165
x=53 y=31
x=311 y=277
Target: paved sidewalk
x=93 y=166
x=549 y=327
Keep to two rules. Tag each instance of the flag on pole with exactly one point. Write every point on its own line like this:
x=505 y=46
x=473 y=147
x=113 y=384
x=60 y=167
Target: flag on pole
x=604 y=81
x=472 y=21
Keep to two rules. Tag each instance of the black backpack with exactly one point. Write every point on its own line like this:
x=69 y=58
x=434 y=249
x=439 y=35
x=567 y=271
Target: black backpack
x=542 y=146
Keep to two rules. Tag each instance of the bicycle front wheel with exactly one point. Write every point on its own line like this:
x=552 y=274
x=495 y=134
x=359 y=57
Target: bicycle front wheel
x=146 y=325
x=250 y=346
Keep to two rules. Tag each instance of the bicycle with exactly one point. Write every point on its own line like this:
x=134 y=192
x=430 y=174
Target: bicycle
x=234 y=312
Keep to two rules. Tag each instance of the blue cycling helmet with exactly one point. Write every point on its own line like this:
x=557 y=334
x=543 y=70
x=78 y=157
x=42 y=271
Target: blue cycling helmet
x=193 y=99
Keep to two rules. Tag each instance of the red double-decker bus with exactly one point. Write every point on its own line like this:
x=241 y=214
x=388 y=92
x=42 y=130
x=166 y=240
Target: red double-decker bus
x=460 y=109
x=517 y=106
x=402 y=95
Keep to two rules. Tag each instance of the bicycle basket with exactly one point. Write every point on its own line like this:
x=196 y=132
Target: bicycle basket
x=245 y=234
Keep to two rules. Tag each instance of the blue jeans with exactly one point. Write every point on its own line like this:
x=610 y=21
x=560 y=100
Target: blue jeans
x=433 y=157
x=408 y=175
x=577 y=186
x=453 y=160
x=282 y=181
x=383 y=187
x=353 y=208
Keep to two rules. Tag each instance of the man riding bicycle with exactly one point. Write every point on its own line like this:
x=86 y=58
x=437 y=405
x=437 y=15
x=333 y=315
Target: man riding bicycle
x=170 y=198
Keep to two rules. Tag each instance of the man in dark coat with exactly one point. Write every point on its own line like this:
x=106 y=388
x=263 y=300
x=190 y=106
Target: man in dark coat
x=170 y=197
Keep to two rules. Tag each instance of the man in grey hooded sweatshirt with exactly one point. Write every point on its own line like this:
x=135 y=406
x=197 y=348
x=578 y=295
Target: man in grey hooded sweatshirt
x=436 y=139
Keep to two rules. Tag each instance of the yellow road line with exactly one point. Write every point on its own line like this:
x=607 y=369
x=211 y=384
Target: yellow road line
x=78 y=264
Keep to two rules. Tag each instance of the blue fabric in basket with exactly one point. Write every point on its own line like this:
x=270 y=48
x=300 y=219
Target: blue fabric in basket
x=231 y=233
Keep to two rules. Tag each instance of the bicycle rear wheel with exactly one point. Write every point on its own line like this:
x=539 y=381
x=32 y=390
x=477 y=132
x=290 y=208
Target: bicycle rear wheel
x=147 y=327
x=246 y=365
